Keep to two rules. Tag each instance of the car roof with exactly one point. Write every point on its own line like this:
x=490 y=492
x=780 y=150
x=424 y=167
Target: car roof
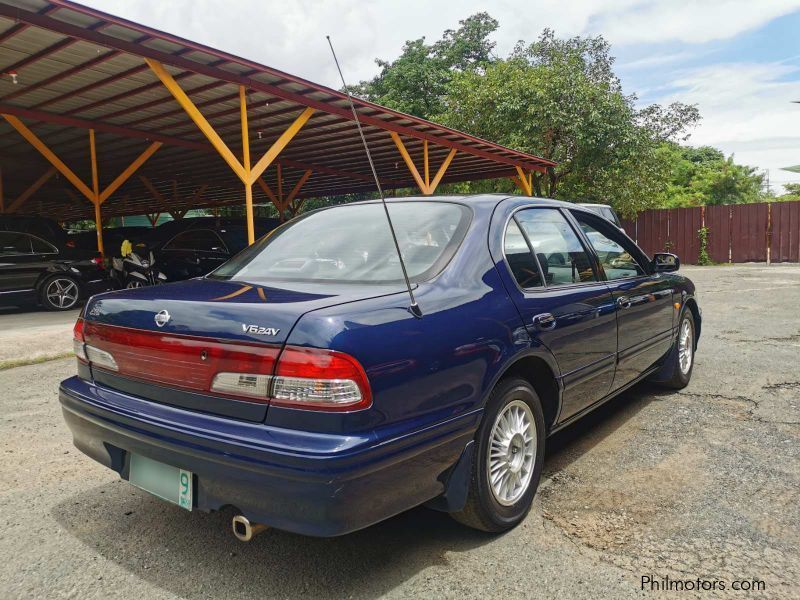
x=481 y=202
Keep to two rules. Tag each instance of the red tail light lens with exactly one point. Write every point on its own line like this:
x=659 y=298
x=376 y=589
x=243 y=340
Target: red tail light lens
x=77 y=341
x=307 y=378
x=320 y=379
x=70 y=244
x=98 y=262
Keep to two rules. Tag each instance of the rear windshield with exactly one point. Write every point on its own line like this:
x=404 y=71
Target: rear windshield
x=353 y=244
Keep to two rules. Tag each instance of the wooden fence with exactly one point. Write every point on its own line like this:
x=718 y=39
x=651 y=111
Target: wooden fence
x=736 y=233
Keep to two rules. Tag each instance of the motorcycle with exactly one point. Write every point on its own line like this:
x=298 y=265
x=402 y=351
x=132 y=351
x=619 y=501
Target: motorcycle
x=136 y=269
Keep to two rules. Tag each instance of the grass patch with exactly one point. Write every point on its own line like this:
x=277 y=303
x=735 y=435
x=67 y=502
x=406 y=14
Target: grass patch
x=23 y=362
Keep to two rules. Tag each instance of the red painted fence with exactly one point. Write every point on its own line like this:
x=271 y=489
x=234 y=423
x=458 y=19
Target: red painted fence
x=736 y=232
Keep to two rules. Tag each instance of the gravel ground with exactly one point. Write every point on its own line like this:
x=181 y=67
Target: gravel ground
x=702 y=483
x=33 y=334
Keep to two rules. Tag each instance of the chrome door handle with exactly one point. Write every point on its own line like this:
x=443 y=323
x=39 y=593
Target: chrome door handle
x=624 y=302
x=544 y=321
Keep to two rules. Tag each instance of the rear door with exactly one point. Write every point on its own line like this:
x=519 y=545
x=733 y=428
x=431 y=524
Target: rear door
x=19 y=266
x=563 y=302
x=644 y=299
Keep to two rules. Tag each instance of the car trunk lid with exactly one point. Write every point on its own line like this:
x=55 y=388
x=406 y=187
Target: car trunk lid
x=168 y=342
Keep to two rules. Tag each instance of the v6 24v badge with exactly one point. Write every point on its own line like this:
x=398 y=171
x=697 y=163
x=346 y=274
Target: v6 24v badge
x=258 y=330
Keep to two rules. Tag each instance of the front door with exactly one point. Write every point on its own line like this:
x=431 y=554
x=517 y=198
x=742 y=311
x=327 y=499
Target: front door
x=563 y=302
x=644 y=299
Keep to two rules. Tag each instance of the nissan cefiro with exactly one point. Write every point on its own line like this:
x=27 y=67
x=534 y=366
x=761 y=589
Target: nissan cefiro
x=295 y=385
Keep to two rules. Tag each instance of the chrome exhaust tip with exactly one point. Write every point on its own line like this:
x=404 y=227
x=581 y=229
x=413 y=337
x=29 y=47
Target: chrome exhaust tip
x=244 y=530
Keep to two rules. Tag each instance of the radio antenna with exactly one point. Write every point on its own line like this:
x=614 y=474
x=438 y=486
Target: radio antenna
x=414 y=308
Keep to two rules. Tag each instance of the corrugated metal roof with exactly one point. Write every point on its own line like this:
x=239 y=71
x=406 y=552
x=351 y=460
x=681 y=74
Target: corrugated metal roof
x=78 y=68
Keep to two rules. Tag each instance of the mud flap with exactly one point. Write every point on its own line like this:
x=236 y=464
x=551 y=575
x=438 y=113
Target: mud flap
x=667 y=369
x=456 y=489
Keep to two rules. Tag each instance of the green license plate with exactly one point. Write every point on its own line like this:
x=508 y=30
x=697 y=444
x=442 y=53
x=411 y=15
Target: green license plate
x=165 y=481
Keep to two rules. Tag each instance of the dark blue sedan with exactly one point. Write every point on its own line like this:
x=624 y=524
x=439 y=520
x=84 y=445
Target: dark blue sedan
x=295 y=384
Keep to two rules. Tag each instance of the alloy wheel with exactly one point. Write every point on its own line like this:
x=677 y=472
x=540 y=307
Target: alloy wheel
x=685 y=347
x=62 y=293
x=512 y=452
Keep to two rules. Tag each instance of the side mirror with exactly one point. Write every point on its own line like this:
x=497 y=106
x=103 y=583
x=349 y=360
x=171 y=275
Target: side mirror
x=665 y=262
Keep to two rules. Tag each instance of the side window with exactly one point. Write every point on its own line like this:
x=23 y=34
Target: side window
x=199 y=240
x=560 y=252
x=13 y=244
x=41 y=247
x=610 y=246
x=519 y=258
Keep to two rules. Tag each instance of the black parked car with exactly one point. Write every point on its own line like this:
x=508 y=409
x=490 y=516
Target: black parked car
x=34 y=270
x=47 y=229
x=193 y=247
x=112 y=238
x=605 y=211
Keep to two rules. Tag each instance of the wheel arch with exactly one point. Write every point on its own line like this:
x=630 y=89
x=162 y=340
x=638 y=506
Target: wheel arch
x=691 y=304
x=541 y=371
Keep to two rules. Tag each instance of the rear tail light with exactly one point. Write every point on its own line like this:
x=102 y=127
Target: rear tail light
x=298 y=377
x=70 y=244
x=242 y=384
x=77 y=341
x=320 y=379
x=98 y=262
x=100 y=358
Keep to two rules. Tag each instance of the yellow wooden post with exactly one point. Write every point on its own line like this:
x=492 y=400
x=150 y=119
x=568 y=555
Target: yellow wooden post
x=93 y=194
x=32 y=189
x=248 y=183
x=296 y=190
x=524 y=181
x=280 y=187
x=425 y=159
x=409 y=163
x=280 y=144
x=270 y=194
x=442 y=169
x=425 y=185
x=98 y=221
x=248 y=173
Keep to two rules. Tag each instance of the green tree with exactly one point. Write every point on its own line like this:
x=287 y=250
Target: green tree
x=703 y=176
x=561 y=100
x=416 y=82
x=791 y=194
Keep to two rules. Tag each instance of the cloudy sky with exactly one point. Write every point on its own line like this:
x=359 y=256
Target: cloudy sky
x=738 y=60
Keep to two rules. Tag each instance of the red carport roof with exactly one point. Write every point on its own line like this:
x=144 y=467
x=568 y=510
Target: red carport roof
x=78 y=69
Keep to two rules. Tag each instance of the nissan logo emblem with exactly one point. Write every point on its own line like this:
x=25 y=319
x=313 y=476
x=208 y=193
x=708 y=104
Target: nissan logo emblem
x=162 y=318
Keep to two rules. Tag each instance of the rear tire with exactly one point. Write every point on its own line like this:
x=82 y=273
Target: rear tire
x=60 y=292
x=682 y=355
x=508 y=459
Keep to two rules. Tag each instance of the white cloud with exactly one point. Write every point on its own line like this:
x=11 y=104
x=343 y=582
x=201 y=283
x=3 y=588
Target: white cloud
x=689 y=21
x=744 y=106
x=747 y=110
x=291 y=35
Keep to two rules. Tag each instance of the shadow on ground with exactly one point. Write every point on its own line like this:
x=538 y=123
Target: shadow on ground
x=187 y=553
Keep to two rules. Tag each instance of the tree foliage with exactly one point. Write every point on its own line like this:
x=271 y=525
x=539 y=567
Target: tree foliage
x=702 y=176
x=560 y=99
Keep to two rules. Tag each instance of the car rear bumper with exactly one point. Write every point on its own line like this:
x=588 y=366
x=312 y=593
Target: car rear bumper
x=308 y=483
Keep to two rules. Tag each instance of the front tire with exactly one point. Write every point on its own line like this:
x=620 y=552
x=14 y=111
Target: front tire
x=60 y=292
x=508 y=459
x=682 y=355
